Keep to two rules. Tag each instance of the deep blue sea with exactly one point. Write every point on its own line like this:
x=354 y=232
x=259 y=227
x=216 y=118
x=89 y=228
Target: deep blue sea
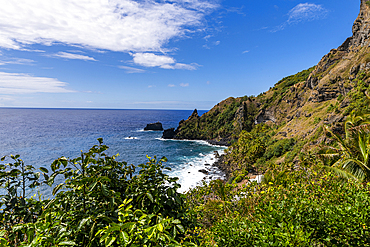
x=42 y=135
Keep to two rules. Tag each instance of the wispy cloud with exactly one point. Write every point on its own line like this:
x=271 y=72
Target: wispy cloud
x=161 y=61
x=68 y=55
x=115 y=25
x=301 y=13
x=131 y=70
x=20 y=61
x=245 y=51
x=16 y=83
x=171 y=85
x=184 y=84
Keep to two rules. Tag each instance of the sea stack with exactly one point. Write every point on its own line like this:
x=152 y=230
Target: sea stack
x=154 y=126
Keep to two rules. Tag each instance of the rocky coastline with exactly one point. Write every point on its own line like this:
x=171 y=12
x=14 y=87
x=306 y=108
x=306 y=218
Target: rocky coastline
x=222 y=166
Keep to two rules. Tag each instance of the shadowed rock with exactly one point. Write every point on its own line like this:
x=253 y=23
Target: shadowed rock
x=154 y=126
x=169 y=133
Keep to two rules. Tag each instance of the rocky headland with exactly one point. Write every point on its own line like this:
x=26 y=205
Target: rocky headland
x=298 y=106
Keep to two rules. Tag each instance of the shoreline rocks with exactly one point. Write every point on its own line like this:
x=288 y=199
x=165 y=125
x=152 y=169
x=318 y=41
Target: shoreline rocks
x=169 y=133
x=222 y=142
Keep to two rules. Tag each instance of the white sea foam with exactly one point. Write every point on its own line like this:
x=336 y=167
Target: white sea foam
x=131 y=138
x=188 y=171
x=197 y=141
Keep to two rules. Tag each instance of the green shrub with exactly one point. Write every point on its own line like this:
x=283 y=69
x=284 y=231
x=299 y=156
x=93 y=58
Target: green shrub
x=98 y=195
x=310 y=209
x=316 y=120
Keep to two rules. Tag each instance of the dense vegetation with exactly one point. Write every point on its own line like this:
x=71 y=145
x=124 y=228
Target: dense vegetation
x=102 y=202
x=322 y=200
x=315 y=191
x=223 y=121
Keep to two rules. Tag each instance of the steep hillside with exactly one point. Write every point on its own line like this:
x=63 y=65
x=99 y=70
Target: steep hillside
x=298 y=105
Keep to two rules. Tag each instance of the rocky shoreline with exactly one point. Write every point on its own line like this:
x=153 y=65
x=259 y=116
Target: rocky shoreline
x=222 y=166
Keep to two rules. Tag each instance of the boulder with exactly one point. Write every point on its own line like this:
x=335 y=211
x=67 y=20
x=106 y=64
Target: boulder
x=154 y=126
x=204 y=171
x=169 y=133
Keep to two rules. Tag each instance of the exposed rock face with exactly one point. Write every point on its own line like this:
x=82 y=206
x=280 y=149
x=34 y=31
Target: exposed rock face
x=361 y=27
x=297 y=104
x=169 y=133
x=194 y=114
x=154 y=126
x=265 y=116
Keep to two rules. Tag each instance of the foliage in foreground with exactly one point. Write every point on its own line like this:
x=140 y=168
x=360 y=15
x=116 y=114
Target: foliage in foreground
x=306 y=208
x=102 y=202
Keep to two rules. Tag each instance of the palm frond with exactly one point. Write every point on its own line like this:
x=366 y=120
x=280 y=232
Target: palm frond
x=339 y=172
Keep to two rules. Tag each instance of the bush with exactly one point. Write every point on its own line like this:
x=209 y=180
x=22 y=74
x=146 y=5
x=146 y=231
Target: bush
x=310 y=209
x=98 y=195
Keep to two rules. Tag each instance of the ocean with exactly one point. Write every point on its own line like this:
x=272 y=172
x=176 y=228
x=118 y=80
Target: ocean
x=40 y=136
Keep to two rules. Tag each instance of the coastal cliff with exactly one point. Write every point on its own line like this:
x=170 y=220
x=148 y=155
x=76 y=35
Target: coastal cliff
x=297 y=105
x=295 y=110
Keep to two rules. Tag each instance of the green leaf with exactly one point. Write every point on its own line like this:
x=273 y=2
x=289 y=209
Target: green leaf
x=70 y=243
x=125 y=239
x=58 y=187
x=109 y=241
x=176 y=221
x=92 y=186
x=105 y=190
x=160 y=227
x=150 y=197
x=181 y=228
x=44 y=170
x=82 y=223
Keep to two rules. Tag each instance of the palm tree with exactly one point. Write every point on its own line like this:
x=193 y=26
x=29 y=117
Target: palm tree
x=351 y=156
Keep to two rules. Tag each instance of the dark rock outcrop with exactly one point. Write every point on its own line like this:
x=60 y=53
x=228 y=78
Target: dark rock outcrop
x=154 y=126
x=221 y=142
x=204 y=171
x=169 y=133
x=265 y=116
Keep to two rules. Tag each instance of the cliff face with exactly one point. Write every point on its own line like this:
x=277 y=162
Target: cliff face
x=298 y=105
x=361 y=27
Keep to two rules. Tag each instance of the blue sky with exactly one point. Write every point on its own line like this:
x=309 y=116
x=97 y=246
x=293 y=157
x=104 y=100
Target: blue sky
x=146 y=54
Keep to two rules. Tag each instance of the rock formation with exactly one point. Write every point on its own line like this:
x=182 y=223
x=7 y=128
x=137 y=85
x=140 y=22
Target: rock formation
x=154 y=126
x=299 y=104
x=169 y=133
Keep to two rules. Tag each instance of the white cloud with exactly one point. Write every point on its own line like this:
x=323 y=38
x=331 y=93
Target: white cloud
x=184 y=84
x=164 y=62
x=303 y=12
x=152 y=60
x=245 y=51
x=115 y=25
x=72 y=56
x=217 y=42
x=21 y=61
x=131 y=70
x=171 y=85
x=15 y=83
x=306 y=12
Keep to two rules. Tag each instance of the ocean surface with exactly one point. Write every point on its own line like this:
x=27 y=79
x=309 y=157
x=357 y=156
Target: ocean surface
x=42 y=135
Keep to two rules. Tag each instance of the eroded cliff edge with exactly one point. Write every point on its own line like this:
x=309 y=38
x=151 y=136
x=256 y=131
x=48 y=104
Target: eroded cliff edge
x=300 y=104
